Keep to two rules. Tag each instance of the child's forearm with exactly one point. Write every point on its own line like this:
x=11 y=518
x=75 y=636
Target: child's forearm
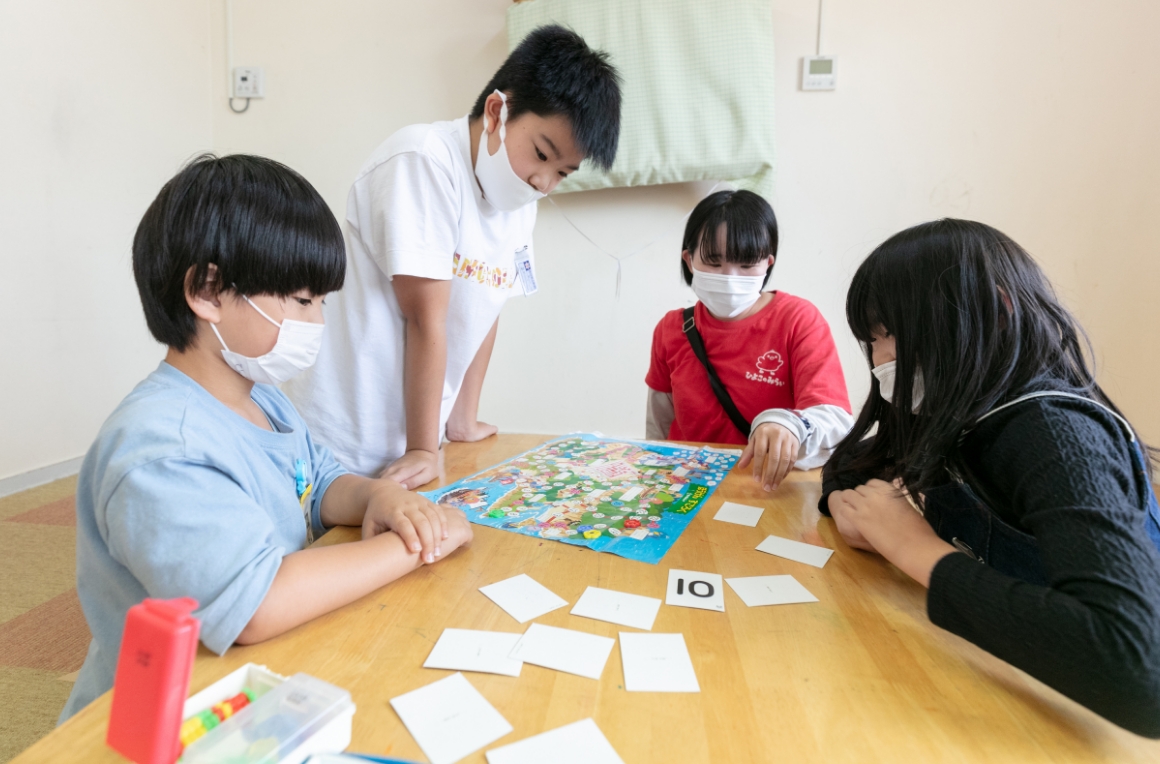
x=315 y=581
x=346 y=499
x=423 y=303
x=659 y=415
x=466 y=410
x=917 y=560
x=426 y=367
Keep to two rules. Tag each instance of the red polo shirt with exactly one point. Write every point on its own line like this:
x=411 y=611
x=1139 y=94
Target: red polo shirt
x=783 y=357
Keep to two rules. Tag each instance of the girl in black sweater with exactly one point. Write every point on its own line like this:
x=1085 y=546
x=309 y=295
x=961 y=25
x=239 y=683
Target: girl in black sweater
x=1000 y=475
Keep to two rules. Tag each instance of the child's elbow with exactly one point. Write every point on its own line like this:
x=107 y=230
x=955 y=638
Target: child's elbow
x=1131 y=698
x=1138 y=706
x=257 y=630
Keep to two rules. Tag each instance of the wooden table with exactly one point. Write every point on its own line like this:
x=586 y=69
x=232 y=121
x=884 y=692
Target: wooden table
x=860 y=676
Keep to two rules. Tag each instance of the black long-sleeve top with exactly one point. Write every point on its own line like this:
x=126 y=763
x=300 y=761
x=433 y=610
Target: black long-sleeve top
x=1061 y=470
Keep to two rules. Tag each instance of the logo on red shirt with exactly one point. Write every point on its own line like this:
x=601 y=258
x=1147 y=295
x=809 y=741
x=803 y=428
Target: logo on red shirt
x=768 y=364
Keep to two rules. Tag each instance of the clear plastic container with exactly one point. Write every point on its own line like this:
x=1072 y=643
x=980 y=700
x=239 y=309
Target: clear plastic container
x=286 y=724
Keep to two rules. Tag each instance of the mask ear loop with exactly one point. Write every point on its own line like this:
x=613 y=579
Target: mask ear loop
x=503 y=112
x=255 y=307
x=252 y=305
x=502 y=119
x=219 y=336
x=262 y=312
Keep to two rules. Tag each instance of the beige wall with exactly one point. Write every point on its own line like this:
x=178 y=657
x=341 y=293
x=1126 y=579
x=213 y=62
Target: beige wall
x=100 y=103
x=1038 y=116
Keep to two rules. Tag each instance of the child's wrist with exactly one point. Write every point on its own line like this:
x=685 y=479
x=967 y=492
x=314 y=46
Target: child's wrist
x=918 y=559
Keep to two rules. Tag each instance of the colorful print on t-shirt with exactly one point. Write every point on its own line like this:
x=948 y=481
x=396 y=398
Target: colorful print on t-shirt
x=482 y=273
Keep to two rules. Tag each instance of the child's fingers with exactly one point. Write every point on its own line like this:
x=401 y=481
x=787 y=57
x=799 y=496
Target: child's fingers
x=426 y=537
x=786 y=463
x=423 y=473
x=439 y=521
x=772 y=475
x=407 y=533
x=444 y=522
x=746 y=455
x=760 y=456
x=399 y=473
x=438 y=524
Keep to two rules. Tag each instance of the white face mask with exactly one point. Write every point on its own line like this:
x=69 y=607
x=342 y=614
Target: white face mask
x=886 y=374
x=502 y=188
x=297 y=347
x=726 y=296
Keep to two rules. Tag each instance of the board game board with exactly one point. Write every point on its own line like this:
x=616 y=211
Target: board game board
x=631 y=498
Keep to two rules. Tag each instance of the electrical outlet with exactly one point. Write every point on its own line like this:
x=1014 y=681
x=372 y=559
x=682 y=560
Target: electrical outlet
x=249 y=82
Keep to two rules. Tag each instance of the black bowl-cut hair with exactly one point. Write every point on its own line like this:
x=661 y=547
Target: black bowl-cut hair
x=750 y=231
x=553 y=71
x=261 y=224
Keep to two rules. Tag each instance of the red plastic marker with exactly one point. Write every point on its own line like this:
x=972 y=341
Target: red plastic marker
x=153 y=669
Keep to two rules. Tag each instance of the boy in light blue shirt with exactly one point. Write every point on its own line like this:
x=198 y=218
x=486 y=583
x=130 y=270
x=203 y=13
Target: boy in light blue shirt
x=205 y=482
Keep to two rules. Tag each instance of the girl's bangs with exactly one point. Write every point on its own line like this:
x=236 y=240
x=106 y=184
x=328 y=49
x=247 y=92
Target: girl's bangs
x=864 y=308
x=746 y=239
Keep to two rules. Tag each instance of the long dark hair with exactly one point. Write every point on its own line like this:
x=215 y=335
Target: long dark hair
x=968 y=307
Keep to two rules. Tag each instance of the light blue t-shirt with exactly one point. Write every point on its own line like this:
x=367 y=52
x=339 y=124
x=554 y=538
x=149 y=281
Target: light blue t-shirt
x=180 y=496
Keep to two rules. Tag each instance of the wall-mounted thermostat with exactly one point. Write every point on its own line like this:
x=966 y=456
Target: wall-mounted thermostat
x=248 y=82
x=819 y=73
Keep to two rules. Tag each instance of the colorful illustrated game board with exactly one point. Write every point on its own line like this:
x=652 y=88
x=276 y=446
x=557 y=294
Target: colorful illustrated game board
x=630 y=498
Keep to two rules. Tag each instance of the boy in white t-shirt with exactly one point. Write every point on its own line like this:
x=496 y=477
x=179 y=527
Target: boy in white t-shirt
x=439 y=234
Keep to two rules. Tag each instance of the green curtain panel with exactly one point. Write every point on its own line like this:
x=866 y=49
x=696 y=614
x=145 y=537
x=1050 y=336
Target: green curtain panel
x=698 y=86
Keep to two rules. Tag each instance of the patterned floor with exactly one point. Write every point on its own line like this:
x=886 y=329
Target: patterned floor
x=43 y=635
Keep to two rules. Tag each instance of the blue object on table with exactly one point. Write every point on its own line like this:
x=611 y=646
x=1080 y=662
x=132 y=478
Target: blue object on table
x=328 y=758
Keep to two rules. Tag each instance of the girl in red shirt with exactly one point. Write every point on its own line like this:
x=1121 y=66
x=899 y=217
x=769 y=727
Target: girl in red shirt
x=772 y=352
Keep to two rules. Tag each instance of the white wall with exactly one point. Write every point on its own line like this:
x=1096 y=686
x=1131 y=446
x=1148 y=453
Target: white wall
x=100 y=103
x=1039 y=117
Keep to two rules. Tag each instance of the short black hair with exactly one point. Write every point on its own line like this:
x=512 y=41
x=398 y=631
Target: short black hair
x=750 y=230
x=262 y=225
x=553 y=71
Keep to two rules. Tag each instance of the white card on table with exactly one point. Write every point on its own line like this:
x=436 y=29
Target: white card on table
x=688 y=588
x=469 y=650
x=580 y=742
x=523 y=598
x=795 y=550
x=739 y=514
x=449 y=719
x=770 y=590
x=657 y=663
x=573 y=652
x=617 y=607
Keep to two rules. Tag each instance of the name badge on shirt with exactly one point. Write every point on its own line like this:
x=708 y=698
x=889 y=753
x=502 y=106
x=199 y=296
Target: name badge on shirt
x=526 y=270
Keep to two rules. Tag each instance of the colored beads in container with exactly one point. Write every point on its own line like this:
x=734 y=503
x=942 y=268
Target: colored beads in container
x=204 y=721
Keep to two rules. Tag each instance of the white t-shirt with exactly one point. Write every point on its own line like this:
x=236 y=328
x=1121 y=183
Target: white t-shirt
x=414 y=210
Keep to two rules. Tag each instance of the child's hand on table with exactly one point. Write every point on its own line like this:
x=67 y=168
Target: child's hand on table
x=425 y=527
x=773 y=450
x=469 y=432
x=879 y=515
x=413 y=469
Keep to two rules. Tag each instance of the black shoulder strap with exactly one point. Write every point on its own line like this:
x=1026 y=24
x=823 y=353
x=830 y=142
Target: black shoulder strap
x=690 y=329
